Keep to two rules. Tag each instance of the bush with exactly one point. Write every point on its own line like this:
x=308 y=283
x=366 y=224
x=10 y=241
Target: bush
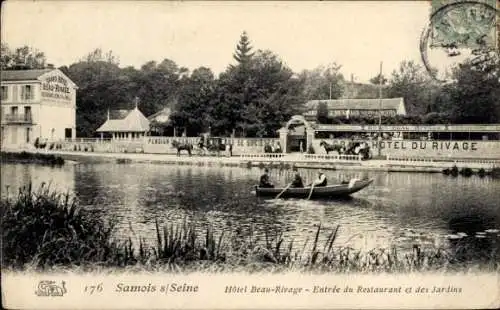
x=495 y=172
x=46 y=228
x=481 y=172
x=466 y=171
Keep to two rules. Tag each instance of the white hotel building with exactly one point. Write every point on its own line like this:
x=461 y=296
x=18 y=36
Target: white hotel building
x=37 y=104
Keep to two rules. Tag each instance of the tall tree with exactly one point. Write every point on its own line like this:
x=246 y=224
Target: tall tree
x=475 y=96
x=157 y=85
x=22 y=58
x=193 y=104
x=243 y=50
x=378 y=79
x=415 y=85
x=323 y=82
x=6 y=57
x=102 y=86
x=273 y=94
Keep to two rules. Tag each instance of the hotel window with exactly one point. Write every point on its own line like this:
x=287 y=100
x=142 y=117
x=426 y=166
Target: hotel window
x=27 y=92
x=5 y=92
x=27 y=113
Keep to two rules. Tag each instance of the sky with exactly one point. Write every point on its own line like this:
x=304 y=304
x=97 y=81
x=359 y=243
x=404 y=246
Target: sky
x=356 y=35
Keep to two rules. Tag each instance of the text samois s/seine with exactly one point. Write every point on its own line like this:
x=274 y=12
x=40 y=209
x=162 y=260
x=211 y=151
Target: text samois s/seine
x=151 y=288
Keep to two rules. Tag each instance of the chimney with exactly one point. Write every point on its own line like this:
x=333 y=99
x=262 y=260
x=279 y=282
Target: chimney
x=108 y=114
x=50 y=66
x=136 y=102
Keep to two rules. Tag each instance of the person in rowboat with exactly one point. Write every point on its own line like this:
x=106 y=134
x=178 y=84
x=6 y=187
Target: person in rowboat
x=321 y=180
x=264 y=180
x=297 y=181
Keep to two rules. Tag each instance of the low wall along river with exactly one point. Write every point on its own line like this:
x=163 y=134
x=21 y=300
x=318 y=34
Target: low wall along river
x=158 y=145
x=477 y=149
x=428 y=148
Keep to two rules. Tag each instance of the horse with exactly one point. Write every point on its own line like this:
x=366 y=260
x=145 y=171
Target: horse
x=182 y=146
x=330 y=148
x=202 y=149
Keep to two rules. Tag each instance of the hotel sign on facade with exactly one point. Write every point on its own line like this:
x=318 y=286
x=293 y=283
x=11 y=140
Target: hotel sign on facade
x=411 y=128
x=56 y=88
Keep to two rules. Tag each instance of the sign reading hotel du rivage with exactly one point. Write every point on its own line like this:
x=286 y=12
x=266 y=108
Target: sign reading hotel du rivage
x=56 y=87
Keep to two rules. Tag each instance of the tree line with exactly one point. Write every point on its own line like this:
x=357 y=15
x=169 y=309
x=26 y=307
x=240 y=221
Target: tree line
x=256 y=95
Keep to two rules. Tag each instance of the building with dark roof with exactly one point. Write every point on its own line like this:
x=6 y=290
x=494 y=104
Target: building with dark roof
x=356 y=107
x=161 y=123
x=37 y=104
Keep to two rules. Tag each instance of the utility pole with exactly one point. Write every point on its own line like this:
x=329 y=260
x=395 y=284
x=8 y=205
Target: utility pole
x=330 y=80
x=351 y=94
x=380 y=111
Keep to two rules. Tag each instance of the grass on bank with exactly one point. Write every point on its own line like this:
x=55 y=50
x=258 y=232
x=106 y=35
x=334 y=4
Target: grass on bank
x=44 y=229
x=26 y=157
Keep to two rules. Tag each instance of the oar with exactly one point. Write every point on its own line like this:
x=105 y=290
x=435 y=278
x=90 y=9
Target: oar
x=283 y=191
x=310 y=193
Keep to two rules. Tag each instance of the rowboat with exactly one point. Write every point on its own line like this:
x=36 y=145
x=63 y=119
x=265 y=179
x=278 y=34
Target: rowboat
x=329 y=191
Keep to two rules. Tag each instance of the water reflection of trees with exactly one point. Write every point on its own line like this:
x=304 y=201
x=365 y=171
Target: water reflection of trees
x=15 y=176
x=139 y=194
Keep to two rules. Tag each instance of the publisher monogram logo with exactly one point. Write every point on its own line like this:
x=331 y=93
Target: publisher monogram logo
x=50 y=288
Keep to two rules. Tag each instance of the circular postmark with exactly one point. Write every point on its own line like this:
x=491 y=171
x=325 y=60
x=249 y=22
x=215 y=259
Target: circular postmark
x=459 y=32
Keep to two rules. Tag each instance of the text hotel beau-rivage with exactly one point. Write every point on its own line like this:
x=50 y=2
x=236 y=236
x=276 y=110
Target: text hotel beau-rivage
x=322 y=289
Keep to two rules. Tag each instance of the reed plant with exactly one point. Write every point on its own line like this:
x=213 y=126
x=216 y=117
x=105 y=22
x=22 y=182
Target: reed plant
x=43 y=228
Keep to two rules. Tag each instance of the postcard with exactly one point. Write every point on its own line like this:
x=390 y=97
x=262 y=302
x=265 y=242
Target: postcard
x=250 y=154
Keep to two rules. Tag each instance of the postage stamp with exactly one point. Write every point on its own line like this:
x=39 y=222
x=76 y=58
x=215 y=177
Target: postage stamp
x=459 y=31
x=250 y=155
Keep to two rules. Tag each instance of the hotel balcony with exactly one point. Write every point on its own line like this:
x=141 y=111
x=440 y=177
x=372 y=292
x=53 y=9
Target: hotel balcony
x=17 y=119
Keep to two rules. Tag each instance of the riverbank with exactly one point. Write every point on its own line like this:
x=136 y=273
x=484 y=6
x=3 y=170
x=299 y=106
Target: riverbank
x=44 y=229
x=285 y=161
x=31 y=158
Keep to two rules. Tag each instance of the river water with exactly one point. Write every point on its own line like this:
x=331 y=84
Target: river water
x=398 y=209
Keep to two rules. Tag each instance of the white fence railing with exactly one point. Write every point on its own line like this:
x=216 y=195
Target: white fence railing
x=336 y=157
x=432 y=160
x=300 y=157
x=262 y=156
x=471 y=163
x=410 y=159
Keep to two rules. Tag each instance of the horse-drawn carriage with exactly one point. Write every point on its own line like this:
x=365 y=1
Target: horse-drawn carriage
x=216 y=145
x=352 y=148
x=212 y=146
